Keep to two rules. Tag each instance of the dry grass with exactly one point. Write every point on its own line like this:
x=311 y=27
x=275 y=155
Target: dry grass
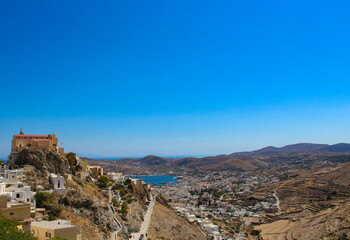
x=88 y=229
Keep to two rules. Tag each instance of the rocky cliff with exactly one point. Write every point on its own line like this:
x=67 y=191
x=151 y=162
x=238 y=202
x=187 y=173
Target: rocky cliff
x=46 y=161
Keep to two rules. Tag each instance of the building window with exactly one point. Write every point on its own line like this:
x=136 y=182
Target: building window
x=48 y=234
x=17 y=196
x=11 y=213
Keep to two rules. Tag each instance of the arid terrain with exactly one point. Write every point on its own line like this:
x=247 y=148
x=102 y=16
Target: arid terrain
x=314 y=205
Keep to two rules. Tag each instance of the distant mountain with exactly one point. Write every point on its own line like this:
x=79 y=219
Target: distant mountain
x=337 y=148
x=243 y=160
x=153 y=160
x=293 y=148
x=305 y=148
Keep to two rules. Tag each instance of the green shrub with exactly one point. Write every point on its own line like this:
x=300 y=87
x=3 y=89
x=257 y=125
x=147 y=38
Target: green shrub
x=102 y=182
x=72 y=159
x=125 y=207
x=9 y=231
x=45 y=200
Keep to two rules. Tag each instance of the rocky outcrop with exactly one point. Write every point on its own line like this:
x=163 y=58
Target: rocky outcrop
x=85 y=204
x=44 y=160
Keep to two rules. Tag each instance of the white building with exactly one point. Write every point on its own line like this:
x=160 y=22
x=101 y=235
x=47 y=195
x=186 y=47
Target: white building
x=19 y=192
x=210 y=228
x=117 y=177
x=11 y=175
x=57 y=182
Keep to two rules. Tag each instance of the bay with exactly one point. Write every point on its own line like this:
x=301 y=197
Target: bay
x=158 y=180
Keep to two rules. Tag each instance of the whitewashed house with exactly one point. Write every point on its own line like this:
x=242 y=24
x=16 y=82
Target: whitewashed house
x=19 y=192
x=11 y=175
x=57 y=182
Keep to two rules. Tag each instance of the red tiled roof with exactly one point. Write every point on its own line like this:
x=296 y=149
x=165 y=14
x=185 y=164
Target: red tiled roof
x=30 y=136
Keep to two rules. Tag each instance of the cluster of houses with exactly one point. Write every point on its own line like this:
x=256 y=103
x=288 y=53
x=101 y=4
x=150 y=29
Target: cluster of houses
x=17 y=201
x=17 y=204
x=210 y=229
x=218 y=196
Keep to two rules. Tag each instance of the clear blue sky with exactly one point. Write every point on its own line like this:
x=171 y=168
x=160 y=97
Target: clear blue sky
x=131 y=78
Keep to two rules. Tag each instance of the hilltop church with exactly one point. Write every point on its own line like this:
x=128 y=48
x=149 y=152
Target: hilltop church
x=22 y=141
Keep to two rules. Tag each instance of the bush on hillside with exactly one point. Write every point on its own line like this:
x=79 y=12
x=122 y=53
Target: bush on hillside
x=72 y=159
x=102 y=182
x=46 y=200
x=9 y=231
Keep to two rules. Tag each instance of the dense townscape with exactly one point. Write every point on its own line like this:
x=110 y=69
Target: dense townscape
x=219 y=197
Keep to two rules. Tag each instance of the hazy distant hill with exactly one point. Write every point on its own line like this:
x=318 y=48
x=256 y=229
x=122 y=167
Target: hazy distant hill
x=261 y=158
x=153 y=160
x=338 y=148
x=304 y=148
x=294 y=148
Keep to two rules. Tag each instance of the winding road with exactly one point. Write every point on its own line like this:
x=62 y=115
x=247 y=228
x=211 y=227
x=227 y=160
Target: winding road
x=277 y=200
x=275 y=194
x=146 y=222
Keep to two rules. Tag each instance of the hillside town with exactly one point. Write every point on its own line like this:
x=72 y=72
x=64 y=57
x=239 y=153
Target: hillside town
x=215 y=202
x=19 y=202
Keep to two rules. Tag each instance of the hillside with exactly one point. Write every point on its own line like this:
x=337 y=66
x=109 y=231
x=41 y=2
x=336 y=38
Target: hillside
x=86 y=204
x=317 y=187
x=315 y=205
x=332 y=223
x=167 y=225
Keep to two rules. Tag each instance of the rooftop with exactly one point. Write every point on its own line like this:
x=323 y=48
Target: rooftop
x=56 y=224
x=31 y=136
